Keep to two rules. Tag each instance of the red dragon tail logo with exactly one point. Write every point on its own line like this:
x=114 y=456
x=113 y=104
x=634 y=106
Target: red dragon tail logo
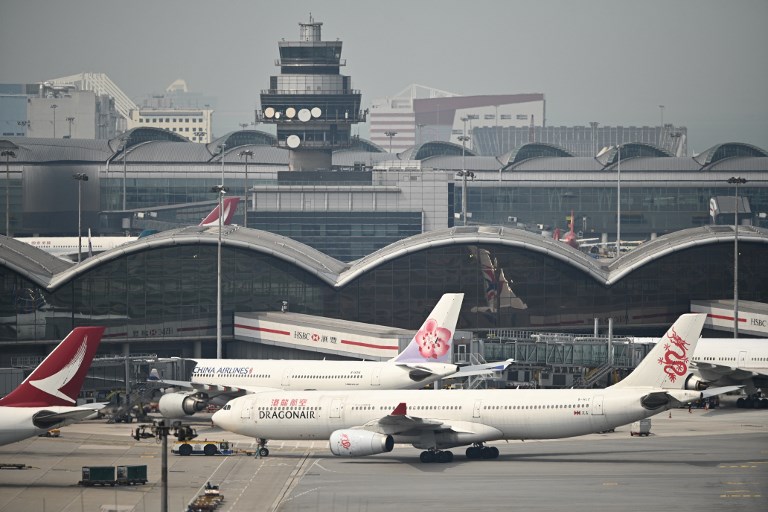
x=675 y=362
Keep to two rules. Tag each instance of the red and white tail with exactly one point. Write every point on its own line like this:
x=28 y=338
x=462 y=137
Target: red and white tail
x=59 y=378
x=230 y=207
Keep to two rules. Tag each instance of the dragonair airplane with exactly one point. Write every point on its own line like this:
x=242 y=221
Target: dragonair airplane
x=360 y=423
x=67 y=247
x=426 y=359
x=46 y=399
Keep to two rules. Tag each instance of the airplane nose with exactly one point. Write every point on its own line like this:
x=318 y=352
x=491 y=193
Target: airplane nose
x=219 y=418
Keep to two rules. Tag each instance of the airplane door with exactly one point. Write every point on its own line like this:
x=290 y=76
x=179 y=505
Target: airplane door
x=336 y=408
x=245 y=412
x=476 y=410
x=742 y=359
x=286 y=379
x=376 y=377
x=597 y=405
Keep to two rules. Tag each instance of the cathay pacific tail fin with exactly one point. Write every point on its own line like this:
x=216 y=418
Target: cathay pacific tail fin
x=433 y=343
x=229 y=207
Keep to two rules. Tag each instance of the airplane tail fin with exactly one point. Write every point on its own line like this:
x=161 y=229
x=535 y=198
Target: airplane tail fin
x=229 y=206
x=433 y=343
x=59 y=378
x=667 y=364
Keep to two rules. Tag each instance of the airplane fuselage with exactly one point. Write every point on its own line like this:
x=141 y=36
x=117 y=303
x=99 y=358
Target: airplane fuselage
x=317 y=375
x=474 y=416
x=17 y=422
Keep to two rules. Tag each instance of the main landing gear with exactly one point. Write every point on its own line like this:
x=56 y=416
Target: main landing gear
x=436 y=456
x=478 y=451
x=261 y=447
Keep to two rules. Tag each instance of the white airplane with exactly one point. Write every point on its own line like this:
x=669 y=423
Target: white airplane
x=426 y=359
x=46 y=399
x=67 y=247
x=370 y=422
x=728 y=361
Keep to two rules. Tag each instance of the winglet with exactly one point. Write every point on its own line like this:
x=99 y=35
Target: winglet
x=59 y=378
x=433 y=343
x=230 y=207
x=400 y=410
x=667 y=364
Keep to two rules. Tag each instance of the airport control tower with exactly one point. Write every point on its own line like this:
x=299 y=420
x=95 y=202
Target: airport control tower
x=310 y=102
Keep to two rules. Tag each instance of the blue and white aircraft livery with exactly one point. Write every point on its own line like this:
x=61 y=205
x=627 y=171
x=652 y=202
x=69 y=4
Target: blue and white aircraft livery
x=426 y=359
x=370 y=422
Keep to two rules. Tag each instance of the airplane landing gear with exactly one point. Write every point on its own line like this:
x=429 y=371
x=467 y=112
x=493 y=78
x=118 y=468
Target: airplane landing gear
x=478 y=451
x=436 y=456
x=261 y=447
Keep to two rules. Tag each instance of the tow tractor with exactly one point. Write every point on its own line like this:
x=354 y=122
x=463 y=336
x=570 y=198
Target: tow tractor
x=202 y=447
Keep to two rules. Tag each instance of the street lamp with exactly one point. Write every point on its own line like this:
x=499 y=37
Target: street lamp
x=220 y=190
x=54 y=107
x=8 y=154
x=247 y=154
x=80 y=177
x=70 y=120
x=390 y=134
x=736 y=180
x=464 y=174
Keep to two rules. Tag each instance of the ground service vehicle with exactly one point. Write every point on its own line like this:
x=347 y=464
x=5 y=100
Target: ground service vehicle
x=98 y=475
x=641 y=428
x=131 y=475
x=202 y=447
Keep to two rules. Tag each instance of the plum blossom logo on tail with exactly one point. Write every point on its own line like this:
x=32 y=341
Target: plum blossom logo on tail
x=433 y=340
x=53 y=383
x=675 y=362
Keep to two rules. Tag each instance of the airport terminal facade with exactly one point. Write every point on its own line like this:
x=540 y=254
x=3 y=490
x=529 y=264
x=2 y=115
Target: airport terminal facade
x=378 y=238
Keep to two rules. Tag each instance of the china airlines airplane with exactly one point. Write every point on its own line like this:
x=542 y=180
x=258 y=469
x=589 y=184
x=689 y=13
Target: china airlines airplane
x=67 y=247
x=369 y=422
x=46 y=399
x=426 y=359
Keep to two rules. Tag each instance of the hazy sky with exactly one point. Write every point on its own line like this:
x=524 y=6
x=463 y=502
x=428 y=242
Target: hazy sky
x=611 y=61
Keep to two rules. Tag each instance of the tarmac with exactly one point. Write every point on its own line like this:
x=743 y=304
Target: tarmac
x=705 y=460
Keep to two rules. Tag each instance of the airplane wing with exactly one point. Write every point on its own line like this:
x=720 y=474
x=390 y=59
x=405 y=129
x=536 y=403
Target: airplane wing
x=48 y=419
x=398 y=422
x=212 y=390
x=487 y=369
x=418 y=370
x=712 y=372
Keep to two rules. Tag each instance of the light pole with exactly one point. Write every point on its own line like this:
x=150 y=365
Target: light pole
x=70 y=120
x=247 y=154
x=222 y=147
x=464 y=174
x=125 y=168
x=8 y=154
x=736 y=180
x=390 y=134
x=220 y=190
x=54 y=107
x=80 y=177
x=661 y=126
x=618 y=202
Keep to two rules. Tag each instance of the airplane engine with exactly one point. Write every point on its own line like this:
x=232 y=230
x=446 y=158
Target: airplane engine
x=695 y=383
x=354 y=443
x=178 y=405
